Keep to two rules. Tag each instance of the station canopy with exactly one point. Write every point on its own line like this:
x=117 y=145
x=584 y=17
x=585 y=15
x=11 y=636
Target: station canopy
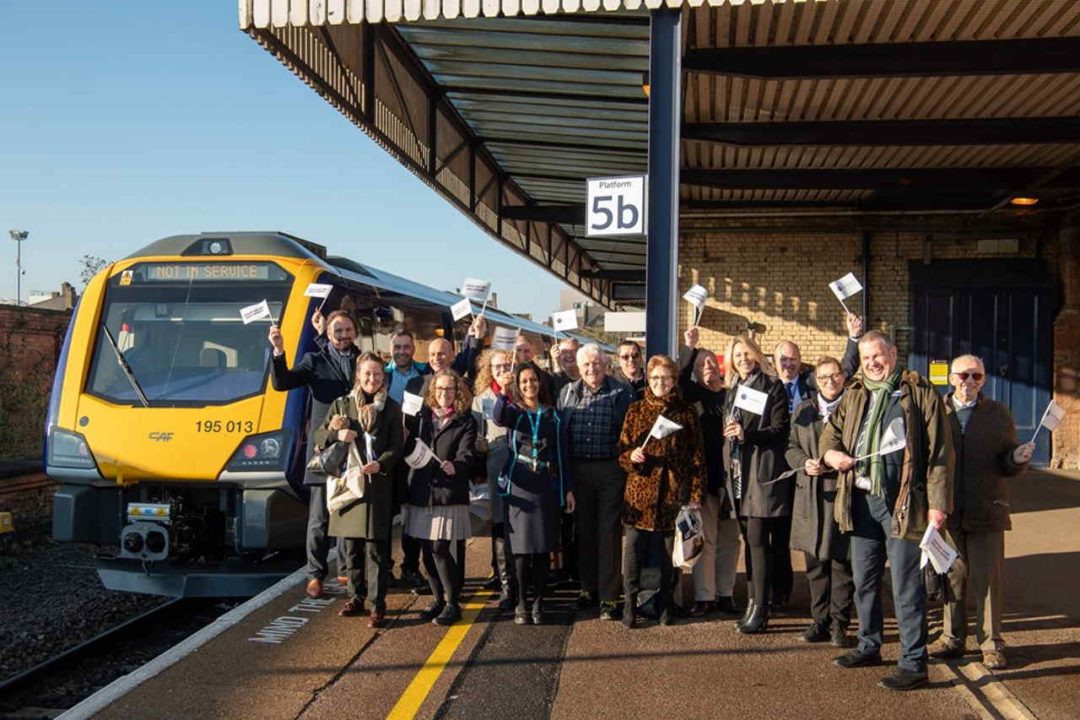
x=842 y=110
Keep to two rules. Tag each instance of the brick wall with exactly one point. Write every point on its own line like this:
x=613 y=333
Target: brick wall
x=30 y=341
x=780 y=280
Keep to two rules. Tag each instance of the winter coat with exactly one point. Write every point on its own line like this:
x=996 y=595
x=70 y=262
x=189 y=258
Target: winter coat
x=673 y=473
x=709 y=405
x=984 y=461
x=429 y=486
x=927 y=473
x=813 y=529
x=492 y=447
x=762 y=450
x=369 y=518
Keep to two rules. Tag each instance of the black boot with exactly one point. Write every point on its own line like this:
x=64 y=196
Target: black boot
x=505 y=575
x=629 y=615
x=757 y=622
x=667 y=609
x=746 y=615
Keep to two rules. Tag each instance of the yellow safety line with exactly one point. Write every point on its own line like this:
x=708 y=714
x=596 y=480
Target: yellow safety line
x=408 y=705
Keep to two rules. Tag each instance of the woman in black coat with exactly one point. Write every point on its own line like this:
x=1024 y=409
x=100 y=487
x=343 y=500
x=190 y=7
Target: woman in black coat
x=753 y=457
x=438 y=488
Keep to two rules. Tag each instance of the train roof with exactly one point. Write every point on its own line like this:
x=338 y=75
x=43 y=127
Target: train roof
x=285 y=245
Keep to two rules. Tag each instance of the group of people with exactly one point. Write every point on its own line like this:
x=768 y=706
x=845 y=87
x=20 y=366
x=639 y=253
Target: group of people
x=576 y=473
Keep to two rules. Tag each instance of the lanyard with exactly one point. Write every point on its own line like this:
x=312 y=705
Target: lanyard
x=534 y=426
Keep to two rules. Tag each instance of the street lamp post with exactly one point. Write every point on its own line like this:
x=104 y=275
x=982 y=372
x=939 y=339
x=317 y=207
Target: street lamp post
x=18 y=236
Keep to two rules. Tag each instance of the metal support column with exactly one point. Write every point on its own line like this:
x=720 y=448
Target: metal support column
x=665 y=113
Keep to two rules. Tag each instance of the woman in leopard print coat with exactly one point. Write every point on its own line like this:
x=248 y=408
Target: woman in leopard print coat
x=662 y=476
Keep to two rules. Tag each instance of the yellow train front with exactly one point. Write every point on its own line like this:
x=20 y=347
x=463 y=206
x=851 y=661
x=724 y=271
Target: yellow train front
x=173 y=453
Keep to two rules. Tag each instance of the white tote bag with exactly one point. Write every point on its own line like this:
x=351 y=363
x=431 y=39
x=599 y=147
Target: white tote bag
x=345 y=490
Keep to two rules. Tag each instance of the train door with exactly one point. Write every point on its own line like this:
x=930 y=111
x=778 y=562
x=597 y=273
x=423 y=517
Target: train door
x=999 y=310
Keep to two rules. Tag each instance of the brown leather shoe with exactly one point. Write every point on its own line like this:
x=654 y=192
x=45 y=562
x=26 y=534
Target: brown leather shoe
x=947 y=648
x=352 y=608
x=314 y=588
x=994 y=660
x=375 y=620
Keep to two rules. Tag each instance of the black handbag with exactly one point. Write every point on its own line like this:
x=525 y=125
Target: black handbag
x=331 y=461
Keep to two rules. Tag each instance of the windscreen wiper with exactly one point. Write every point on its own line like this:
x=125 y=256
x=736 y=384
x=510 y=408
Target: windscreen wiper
x=122 y=361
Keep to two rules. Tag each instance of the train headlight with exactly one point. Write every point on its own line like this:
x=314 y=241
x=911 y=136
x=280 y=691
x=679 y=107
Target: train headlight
x=68 y=449
x=266 y=451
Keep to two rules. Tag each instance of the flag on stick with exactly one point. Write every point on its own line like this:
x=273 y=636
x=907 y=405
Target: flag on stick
x=844 y=288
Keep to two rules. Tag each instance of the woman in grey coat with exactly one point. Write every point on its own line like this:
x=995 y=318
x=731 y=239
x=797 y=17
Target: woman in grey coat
x=813 y=528
x=368 y=417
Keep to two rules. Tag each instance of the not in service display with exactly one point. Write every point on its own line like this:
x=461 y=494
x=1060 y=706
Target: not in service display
x=616 y=206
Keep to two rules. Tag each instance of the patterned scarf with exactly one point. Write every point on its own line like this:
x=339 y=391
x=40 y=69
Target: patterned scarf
x=368 y=407
x=870 y=439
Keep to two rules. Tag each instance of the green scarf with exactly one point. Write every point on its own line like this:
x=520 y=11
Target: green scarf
x=870 y=439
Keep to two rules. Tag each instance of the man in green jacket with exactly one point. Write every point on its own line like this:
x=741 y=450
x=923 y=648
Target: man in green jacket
x=886 y=499
x=987 y=452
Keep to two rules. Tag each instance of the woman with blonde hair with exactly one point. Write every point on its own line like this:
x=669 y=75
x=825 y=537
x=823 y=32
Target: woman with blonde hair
x=493 y=375
x=754 y=445
x=368 y=417
x=438 y=487
x=663 y=475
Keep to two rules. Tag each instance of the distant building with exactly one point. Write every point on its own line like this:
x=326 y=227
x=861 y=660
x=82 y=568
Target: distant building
x=64 y=299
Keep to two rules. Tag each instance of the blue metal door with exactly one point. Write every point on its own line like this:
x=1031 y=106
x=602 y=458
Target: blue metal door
x=1001 y=311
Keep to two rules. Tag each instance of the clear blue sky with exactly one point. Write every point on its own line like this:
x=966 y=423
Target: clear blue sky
x=124 y=122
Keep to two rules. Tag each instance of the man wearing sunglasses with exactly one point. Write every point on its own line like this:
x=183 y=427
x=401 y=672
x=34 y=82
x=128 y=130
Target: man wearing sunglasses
x=987 y=453
x=631 y=367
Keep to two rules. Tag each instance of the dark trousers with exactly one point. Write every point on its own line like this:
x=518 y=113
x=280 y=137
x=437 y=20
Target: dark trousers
x=639 y=545
x=599 y=486
x=832 y=589
x=318 y=543
x=780 y=546
x=372 y=583
x=870 y=544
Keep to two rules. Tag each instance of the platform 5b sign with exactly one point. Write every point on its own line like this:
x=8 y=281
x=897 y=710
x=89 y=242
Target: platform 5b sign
x=616 y=206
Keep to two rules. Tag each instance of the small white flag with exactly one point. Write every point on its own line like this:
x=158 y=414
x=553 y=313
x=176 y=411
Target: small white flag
x=411 y=404
x=258 y=311
x=1052 y=417
x=504 y=338
x=845 y=287
x=461 y=309
x=477 y=290
x=696 y=296
x=939 y=552
x=895 y=437
x=892 y=440
x=420 y=456
x=318 y=290
x=565 y=320
x=751 y=400
x=663 y=427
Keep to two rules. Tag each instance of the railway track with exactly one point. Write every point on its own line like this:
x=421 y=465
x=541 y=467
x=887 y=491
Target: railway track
x=50 y=687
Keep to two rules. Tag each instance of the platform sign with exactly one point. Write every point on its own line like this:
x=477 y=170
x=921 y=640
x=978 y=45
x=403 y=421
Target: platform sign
x=616 y=206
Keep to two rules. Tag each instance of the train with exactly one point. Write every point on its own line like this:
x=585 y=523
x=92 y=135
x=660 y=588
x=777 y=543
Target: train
x=174 y=455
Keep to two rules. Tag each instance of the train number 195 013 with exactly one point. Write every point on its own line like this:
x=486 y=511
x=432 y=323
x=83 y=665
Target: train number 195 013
x=228 y=426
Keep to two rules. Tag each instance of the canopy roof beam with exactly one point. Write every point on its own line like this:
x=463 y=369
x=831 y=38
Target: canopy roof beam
x=922 y=59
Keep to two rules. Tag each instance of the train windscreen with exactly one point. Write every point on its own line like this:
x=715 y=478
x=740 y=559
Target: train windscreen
x=172 y=333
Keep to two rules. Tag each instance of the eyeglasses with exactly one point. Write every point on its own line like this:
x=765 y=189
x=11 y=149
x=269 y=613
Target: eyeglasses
x=635 y=356
x=976 y=376
x=501 y=367
x=834 y=377
x=445 y=389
